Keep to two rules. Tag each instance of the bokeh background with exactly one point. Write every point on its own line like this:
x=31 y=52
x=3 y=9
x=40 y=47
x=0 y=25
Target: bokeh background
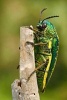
x=17 y=13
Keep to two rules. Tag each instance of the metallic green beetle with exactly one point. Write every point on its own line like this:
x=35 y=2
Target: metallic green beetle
x=46 y=51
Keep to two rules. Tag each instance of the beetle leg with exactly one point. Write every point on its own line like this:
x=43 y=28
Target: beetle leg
x=44 y=53
x=36 y=44
x=36 y=69
x=30 y=43
x=36 y=31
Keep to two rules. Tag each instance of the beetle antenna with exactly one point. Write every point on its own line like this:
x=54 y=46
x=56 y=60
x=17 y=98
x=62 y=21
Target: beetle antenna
x=41 y=13
x=50 y=17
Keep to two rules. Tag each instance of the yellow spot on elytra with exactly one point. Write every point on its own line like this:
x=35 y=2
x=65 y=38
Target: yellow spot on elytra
x=48 y=66
x=49 y=44
x=46 y=71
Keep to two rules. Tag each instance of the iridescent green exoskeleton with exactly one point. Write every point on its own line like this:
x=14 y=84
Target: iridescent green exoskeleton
x=46 y=51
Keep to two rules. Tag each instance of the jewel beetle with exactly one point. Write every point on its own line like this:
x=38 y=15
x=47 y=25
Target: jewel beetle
x=46 y=46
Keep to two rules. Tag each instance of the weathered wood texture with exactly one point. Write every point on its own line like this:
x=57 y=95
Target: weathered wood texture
x=23 y=89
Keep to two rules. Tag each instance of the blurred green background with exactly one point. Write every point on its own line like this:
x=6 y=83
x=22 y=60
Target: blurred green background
x=17 y=13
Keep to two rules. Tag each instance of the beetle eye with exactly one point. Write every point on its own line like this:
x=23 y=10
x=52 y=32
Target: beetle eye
x=44 y=26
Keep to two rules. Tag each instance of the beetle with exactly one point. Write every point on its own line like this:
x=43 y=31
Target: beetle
x=46 y=46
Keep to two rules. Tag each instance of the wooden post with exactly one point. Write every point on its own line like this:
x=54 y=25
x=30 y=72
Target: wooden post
x=23 y=89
